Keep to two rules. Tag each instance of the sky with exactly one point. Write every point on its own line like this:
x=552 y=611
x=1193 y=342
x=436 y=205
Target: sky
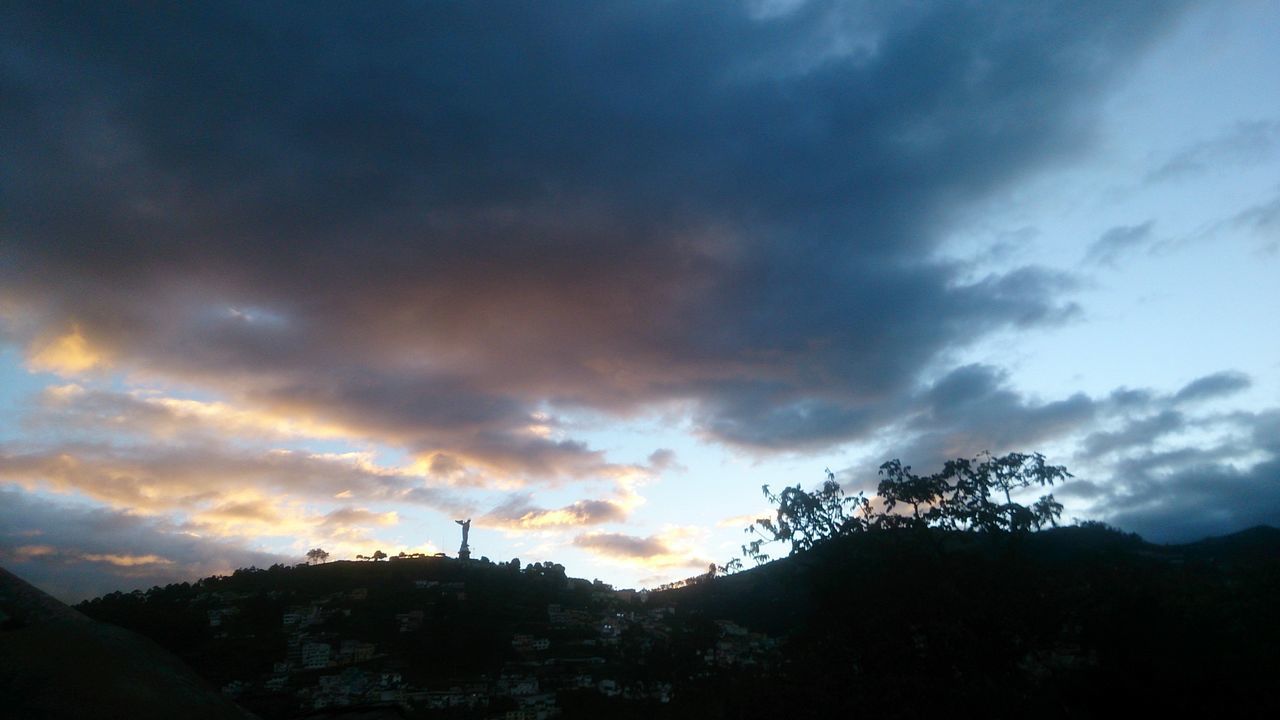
x=285 y=276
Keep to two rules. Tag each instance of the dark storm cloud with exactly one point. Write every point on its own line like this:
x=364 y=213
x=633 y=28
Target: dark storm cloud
x=1199 y=502
x=972 y=408
x=1150 y=462
x=429 y=222
x=75 y=553
x=1194 y=492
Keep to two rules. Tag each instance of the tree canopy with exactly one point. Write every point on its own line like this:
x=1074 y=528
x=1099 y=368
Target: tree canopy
x=969 y=494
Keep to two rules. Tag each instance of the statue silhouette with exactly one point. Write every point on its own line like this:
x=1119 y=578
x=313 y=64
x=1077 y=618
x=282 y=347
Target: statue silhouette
x=464 y=552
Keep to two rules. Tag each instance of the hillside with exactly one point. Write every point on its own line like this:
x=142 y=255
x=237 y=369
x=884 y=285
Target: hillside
x=1074 y=622
x=56 y=663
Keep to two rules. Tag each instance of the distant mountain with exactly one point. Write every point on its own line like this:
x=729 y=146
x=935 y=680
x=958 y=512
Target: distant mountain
x=1260 y=542
x=1075 y=622
x=56 y=663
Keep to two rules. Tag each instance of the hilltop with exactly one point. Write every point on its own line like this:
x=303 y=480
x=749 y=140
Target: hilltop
x=1072 y=622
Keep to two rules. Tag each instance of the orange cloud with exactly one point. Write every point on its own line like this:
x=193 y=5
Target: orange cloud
x=67 y=354
x=674 y=547
x=127 y=560
x=26 y=552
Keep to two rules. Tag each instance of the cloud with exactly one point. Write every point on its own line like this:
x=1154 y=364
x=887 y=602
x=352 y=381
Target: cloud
x=359 y=517
x=220 y=492
x=470 y=215
x=1244 y=143
x=518 y=512
x=68 y=354
x=1197 y=491
x=154 y=479
x=1219 y=384
x=1197 y=503
x=738 y=522
x=127 y=560
x=84 y=552
x=1140 y=433
x=619 y=545
x=1262 y=219
x=1118 y=241
x=1157 y=463
x=664 y=459
x=670 y=549
x=466 y=227
x=972 y=408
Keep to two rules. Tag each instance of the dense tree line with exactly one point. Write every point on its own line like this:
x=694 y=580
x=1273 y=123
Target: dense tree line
x=967 y=494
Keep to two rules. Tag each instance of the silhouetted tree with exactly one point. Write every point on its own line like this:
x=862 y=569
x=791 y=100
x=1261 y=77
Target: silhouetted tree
x=734 y=565
x=960 y=497
x=317 y=555
x=379 y=555
x=970 y=484
x=803 y=518
x=925 y=494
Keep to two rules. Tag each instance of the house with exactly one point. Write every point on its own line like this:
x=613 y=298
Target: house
x=315 y=655
x=609 y=688
x=218 y=616
x=538 y=707
x=581 y=681
x=302 y=616
x=235 y=688
x=276 y=684
x=410 y=621
x=354 y=651
x=516 y=684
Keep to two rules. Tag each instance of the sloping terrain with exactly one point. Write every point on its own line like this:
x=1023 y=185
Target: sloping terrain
x=56 y=663
x=1074 y=622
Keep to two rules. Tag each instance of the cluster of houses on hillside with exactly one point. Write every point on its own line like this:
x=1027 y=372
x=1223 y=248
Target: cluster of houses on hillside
x=577 y=650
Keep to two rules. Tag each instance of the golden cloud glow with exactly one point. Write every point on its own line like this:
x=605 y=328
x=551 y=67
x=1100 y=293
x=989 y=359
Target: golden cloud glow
x=576 y=514
x=127 y=560
x=64 y=393
x=236 y=421
x=68 y=354
x=26 y=552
